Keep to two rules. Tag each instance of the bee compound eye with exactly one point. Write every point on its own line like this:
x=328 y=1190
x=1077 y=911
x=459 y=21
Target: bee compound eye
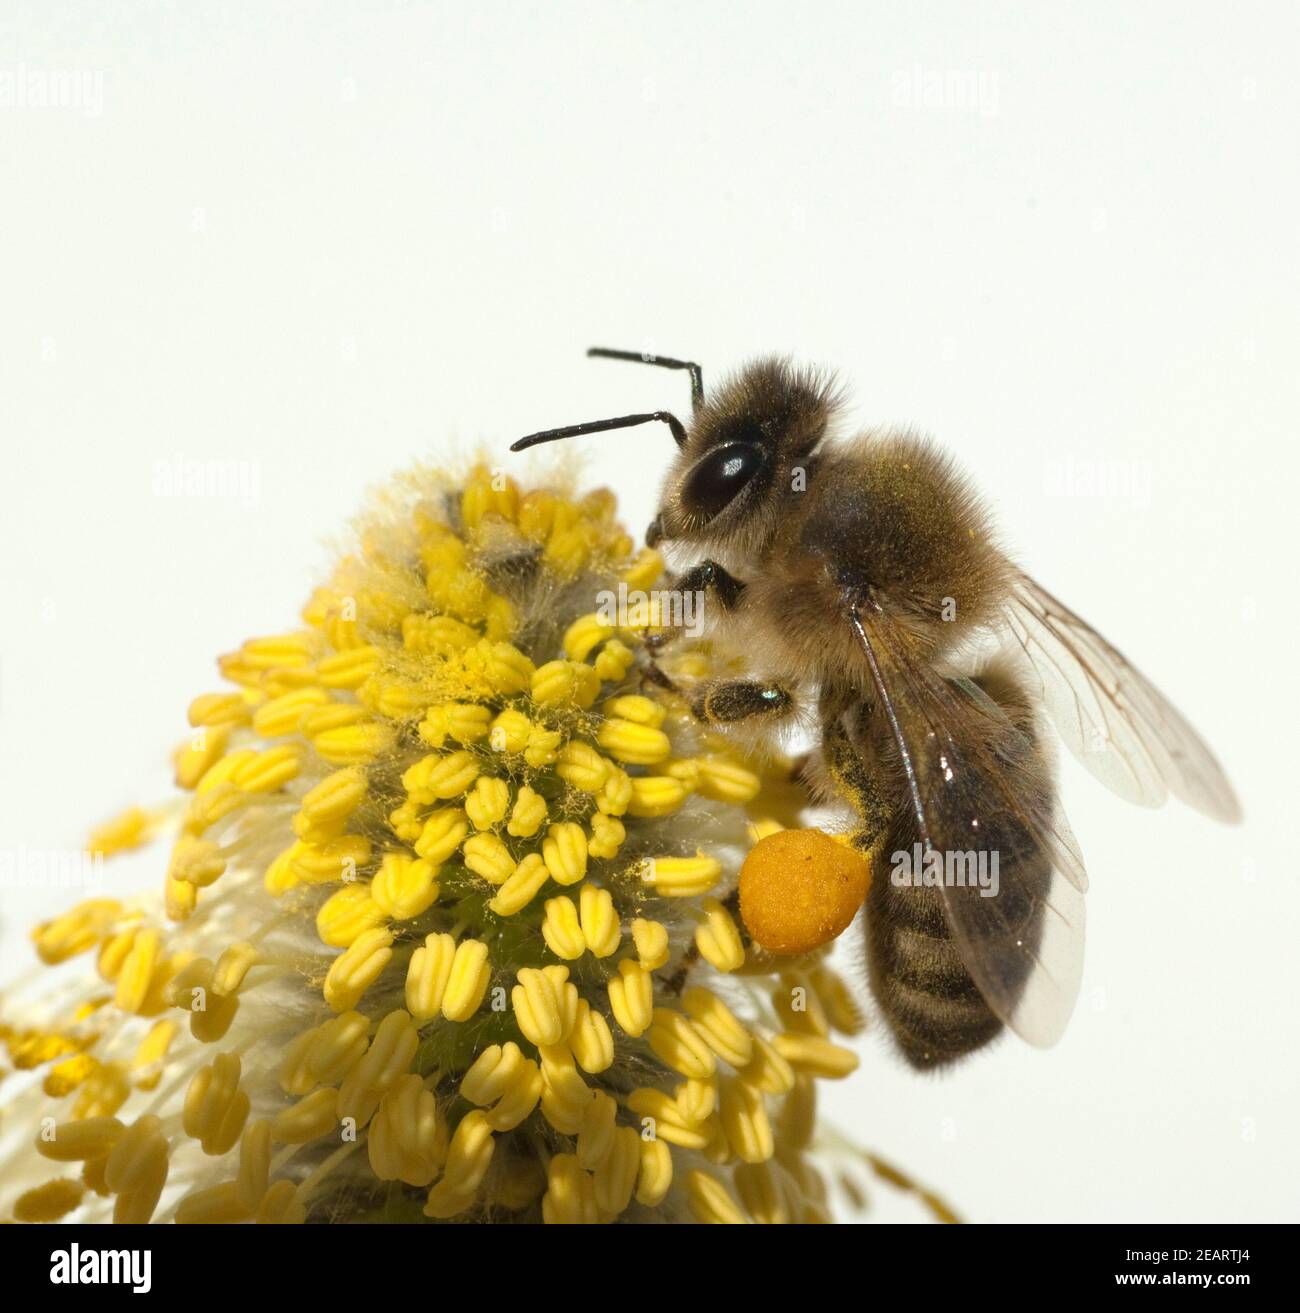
x=714 y=482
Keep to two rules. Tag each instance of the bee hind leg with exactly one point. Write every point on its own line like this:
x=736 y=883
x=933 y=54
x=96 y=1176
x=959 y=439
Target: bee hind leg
x=727 y=702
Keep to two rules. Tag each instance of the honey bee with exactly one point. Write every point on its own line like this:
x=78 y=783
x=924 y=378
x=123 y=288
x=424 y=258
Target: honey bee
x=865 y=579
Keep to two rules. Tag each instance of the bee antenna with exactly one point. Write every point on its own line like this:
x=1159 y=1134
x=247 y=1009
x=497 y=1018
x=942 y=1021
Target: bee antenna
x=646 y=358
x=675 y=426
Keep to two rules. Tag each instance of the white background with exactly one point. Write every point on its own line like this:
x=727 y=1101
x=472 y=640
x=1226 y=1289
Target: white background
x=328 y=239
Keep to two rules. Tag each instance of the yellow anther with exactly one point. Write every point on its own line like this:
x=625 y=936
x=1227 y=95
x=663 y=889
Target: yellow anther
x=65 y=1076
x=427 y=975
x=396 y=699
x=582 y=766
x=219 y=710
x=336 y=716
x=570 y=1197
x=198 y=755
x=442 y=833
x=487 y=802
x=564 y=851
x=212 y=805
x=614 y=660
x=335 y=859
x=49 y=1202
x=644 y=570
x=215 y=1205
x=73 y=1142
x=405 y=821
x=816 y=1056
x=638 y=709
x=767 y=1070
x=149 y=1054
x=596 y=1138
x=543 y=747
x=591 y=1043
x=438 y=634
x=75 y=931
x=333 y=1051
x=509 y=732
x=487 y=856
x=308 y=1119
x=651 y=941
x=254 y=1162
x=799 y=1114
x=463 y=722
x=616 y=1175
x=127 y=830
x=196 y=861
x=283 y=715
x=718 y=1026
x=269 y=770
x=506 y=668
x=528 y=815
x=179 y=899
x=232 y=966
x=607 y=835
x=137 y=972
x=280 y=877
x=451 y=776
x=661 y=1116
x=353 y=745
x=711 y=1202
x=332 y=801
x=136 y=1171
x=583 y=635
x=404 y=887
x=278 y=650
x=488 y=495
x=281 y=1206
x=565 y=684
x=565 y=1095
x=686 y=770
x=797 y=1006
x=633 y=743
x=724 y=780
x=215 y=1107
x=357 y=968
x=347 y=914
x=545 y=1004
x=745 y=1122
x=471 y=972
x=763 y=1189
x=406 y=1140
x=631 y=998
x=600 y=923
x=349 y=669
x=562 y=930
x=537 y=514
x=522 y=887
x=679 y=1044
x=389 y=1055
x=682 y=877
x=468 y=1158
x=837 y=999
x=656 y=795
x=104 y=1091
x=718 y=938
x=655 y=1173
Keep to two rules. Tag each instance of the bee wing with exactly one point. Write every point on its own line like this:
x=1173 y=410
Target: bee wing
x=1114 y=720
x=977 y=783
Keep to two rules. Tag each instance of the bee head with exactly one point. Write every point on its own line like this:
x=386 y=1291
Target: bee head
x=749 y=447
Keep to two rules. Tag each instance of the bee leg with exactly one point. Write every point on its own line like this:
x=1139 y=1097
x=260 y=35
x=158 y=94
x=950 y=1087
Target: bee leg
x=856 y=785
x=711 y=580
x=703 y=581
x=724 y=702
